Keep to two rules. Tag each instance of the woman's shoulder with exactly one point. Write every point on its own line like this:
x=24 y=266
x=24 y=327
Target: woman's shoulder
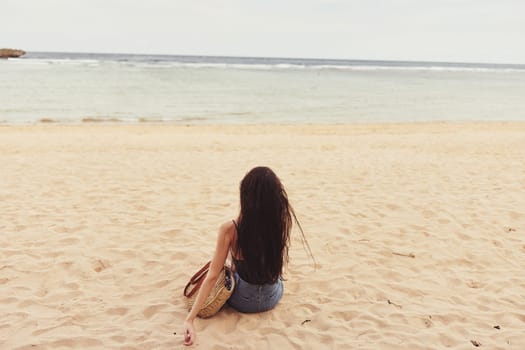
x=228 y=229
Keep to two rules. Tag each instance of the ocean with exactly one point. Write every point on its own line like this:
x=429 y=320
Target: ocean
x=84 y=87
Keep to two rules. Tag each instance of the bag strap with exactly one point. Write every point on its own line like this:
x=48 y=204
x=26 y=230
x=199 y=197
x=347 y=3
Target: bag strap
x=197 y=280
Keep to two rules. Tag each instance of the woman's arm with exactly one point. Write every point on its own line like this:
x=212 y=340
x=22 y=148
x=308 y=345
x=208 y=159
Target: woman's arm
x=217 y=263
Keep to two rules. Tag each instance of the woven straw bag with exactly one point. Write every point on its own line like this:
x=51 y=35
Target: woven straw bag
x=220 y=293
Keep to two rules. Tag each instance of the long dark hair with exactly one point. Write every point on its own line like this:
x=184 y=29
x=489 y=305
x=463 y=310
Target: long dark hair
x=264 y=226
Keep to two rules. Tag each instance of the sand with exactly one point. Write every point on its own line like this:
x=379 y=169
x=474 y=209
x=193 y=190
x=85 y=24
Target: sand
x=417 y=229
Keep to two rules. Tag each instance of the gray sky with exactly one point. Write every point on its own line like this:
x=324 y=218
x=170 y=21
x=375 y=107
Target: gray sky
x=429 y=30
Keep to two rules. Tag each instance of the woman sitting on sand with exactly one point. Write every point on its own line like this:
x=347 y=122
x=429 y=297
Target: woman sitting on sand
x=258 y=242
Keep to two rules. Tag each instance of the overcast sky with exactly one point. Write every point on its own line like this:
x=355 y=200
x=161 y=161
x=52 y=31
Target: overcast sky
x=429 y=30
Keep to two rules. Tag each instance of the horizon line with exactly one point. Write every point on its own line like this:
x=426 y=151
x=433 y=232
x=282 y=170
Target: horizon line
x=283 y=58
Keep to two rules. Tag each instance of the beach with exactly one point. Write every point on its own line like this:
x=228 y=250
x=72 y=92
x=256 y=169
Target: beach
x=417 y=230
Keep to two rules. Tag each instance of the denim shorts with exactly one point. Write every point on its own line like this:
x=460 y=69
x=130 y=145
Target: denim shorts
x=249 y=298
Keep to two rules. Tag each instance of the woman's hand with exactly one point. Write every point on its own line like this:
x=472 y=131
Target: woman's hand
x=189 y=333
x=224 y=239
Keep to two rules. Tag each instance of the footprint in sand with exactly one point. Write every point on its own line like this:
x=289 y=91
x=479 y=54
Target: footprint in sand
x=69 y=241
x=99 y=266
x=171 y=233
x=497 y=244
x=161 y=284
x=152 y=310
x=514 y=215
x=474 y=284
x=393 y=207
x=120 y=311
x=427 y=214
x=118 y=338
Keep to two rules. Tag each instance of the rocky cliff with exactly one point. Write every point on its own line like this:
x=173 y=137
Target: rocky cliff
x=6 y=53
